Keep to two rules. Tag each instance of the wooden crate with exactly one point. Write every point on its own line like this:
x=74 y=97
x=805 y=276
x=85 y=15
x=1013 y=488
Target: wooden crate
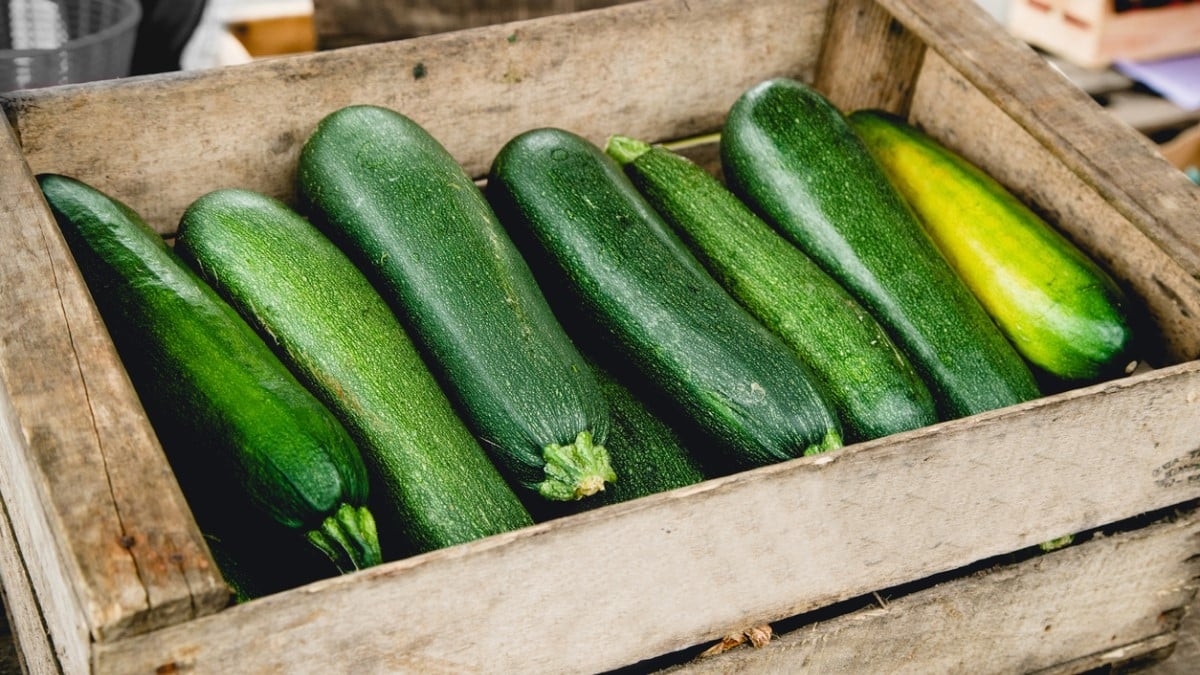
x=1093 y=33
x=106 y=572
x=342 y=23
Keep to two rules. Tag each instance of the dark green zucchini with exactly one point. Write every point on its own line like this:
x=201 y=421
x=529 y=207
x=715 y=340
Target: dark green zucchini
x=791 y=156
x=869 y=381
x=412 y=219
x=612 y=260
x=214 y=391
x=342 y=340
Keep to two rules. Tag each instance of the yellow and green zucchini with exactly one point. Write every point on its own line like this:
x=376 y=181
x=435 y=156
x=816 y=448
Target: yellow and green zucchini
x=1063 y=313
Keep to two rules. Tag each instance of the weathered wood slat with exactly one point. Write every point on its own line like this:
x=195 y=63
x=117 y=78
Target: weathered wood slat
x=21 y=612
x=342 y=23
x=974 y=126
x=1105 y=153
x=161 y=141
x=868 y=60
x=104 y=528
x=1140 y=657
x=1101 y=602
x=750 y=548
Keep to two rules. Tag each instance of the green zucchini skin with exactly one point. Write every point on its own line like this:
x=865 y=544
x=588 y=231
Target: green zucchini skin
x=870 y=382
x=1062 y=312
x=647 y=452
x=638 y=286
x=340 y=338
x=212 y=388
x=793 y=158
x=410 y=217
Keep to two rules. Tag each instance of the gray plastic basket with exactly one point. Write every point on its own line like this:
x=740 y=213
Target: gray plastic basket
x=48 y=42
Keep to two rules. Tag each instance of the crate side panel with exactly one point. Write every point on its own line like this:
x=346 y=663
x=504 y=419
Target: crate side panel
x=750 y=548
x=868 y=59
x=159 y=142
x=964 y=118
x=1063 y=607
x=1117 y=162
x=79 y=450
x=28 y=638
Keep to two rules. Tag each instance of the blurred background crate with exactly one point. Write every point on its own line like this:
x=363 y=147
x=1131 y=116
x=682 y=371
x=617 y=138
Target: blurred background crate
x=1094 y=33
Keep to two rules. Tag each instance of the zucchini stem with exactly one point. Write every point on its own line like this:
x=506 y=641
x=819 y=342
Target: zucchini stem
x=625 y=149
x=831 y=441
x=349 y=538
x=575 y=470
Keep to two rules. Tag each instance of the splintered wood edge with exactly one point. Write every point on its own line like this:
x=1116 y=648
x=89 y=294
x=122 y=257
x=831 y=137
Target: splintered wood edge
x=1104 y=601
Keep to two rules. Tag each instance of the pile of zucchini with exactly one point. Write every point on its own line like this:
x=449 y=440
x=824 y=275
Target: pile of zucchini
x=402 y=362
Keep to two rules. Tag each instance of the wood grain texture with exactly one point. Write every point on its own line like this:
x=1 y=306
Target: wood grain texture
x=733 y=552
x=98 y=516
x=1103 y=152
x=868 y=60
x=1103 y=601
x=343 y=23
x=975 y=127
x=20 y=615
x=159 y=142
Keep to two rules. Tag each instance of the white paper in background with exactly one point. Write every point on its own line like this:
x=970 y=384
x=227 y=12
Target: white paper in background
x=1175 y=79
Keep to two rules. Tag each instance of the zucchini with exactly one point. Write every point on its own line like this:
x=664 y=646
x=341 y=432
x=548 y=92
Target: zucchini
x=412 y=219
x=1062 y=312
x=791 y=156
x=647 y=452
x=341 y=340
x=617 y=265
x=212 y=388
x=868 y=379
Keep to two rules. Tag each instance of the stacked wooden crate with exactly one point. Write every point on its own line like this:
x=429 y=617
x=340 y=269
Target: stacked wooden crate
x=1093 y=33
x=914 y=552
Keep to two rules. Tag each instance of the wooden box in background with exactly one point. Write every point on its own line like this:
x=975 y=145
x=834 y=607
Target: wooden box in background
x=1093 y=33
x=341 y=23
x=915 y=552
